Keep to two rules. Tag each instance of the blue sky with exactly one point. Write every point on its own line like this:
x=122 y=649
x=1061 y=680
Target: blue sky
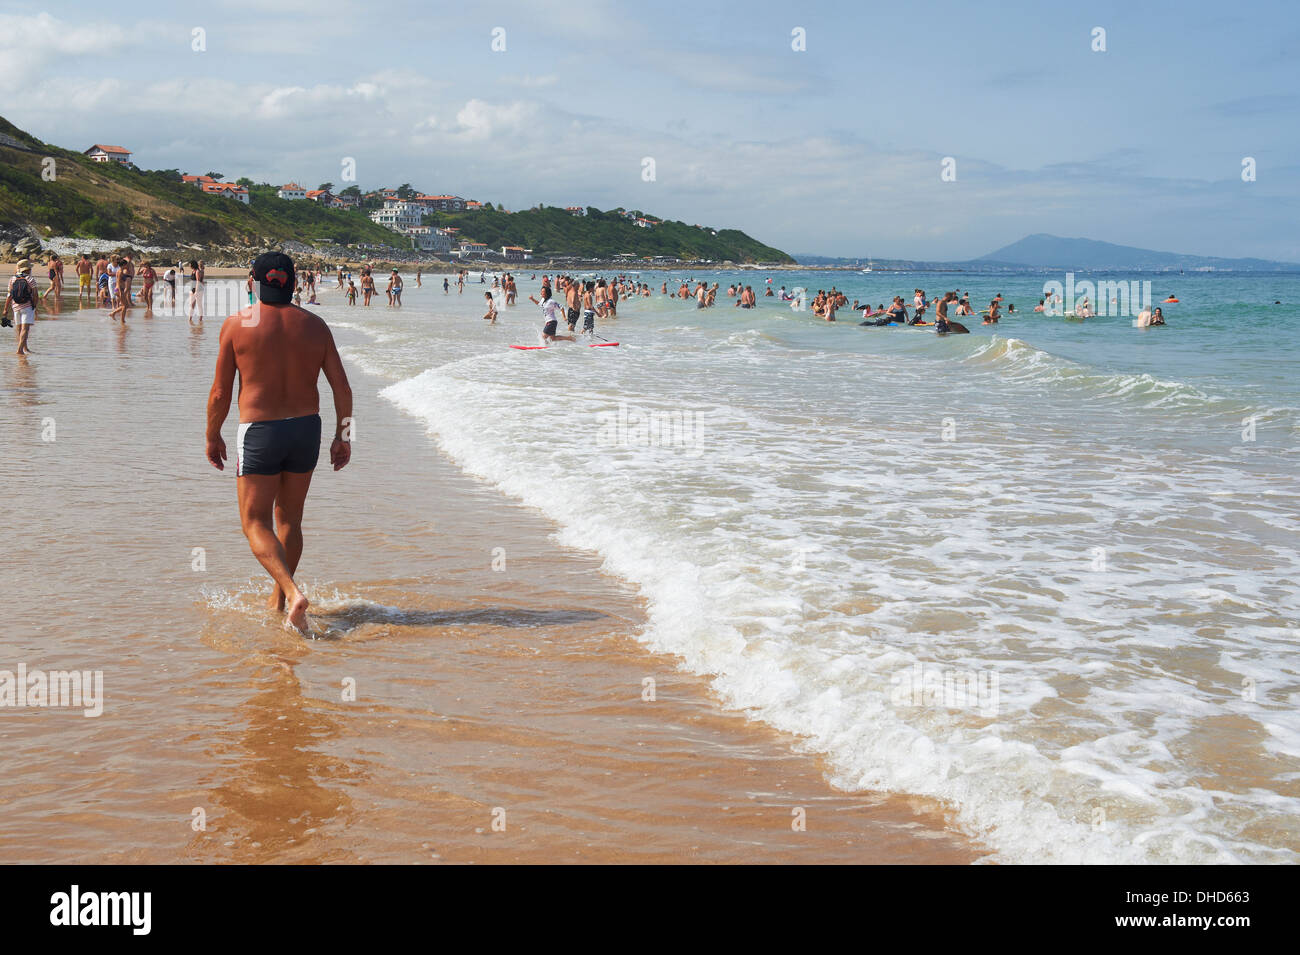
x=833 y=150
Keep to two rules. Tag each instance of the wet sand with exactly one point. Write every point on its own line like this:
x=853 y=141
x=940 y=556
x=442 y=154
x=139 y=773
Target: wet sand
x=498 y=712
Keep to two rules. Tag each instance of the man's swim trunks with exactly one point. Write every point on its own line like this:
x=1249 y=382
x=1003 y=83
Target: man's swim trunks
x=269 y=447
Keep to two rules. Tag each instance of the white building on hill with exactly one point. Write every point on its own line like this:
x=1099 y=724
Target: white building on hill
x=399 y=215
x=101 y=153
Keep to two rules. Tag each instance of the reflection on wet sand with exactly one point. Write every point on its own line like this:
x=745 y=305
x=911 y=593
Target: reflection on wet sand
x=274 y=792
x=22 y=382
x=196 y=339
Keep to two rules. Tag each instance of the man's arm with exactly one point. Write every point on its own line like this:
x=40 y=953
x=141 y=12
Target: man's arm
x=223 y=387
x=340 y=448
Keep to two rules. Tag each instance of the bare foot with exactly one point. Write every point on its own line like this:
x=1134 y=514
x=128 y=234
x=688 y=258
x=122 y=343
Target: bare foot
x=276 y=600
x=297 y=616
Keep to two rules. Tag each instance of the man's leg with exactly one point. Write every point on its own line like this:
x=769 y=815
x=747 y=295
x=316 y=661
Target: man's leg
x=289 y=503
x=257 y=494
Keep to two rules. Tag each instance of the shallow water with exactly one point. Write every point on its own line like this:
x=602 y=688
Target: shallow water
x=1043 y=572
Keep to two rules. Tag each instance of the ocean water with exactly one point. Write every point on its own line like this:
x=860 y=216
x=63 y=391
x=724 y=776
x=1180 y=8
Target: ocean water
x=1044 y=572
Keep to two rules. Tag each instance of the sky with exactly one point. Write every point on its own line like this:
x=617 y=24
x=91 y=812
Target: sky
x=836 y=148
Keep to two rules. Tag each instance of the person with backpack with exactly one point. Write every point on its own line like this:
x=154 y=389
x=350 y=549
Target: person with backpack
x=22 y=296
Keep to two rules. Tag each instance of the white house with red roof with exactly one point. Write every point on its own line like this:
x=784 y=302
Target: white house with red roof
x=576 y=210
x=101 y=153
x=291 y=190
x=231 y=190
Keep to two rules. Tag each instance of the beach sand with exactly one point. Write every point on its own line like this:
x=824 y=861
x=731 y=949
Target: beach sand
x=498 y=713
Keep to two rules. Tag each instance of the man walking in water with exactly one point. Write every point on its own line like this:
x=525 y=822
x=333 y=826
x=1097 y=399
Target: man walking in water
x=279 y=351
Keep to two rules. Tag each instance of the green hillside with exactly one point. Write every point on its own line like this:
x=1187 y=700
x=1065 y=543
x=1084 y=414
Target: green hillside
x=108 y=201
x=552 y=231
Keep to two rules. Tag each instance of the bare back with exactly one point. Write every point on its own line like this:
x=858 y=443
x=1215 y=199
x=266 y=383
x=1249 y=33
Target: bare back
x=279 y=352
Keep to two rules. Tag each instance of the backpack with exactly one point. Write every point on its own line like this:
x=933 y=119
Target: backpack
x=21 y=292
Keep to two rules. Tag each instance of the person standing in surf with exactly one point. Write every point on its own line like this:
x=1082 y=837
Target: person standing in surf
x=551 y=315
x=22 y=297
x=279 y=351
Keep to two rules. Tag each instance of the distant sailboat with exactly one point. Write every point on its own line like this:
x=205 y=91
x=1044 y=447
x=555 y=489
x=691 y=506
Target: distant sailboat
x=868 y=268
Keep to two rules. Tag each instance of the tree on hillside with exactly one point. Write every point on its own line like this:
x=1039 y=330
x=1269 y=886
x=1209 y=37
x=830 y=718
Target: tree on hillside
x=213 y=175
x=243 y=181
x=488 y=207
x=404 y=191
x=351 y=191
x=326 y=186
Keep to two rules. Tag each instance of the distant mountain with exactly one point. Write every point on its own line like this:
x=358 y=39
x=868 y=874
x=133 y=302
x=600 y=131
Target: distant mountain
x=1053 y=252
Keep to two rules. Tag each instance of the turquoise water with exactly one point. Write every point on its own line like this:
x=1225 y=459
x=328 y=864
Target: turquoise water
x=1043 y=572
x=1225 y=337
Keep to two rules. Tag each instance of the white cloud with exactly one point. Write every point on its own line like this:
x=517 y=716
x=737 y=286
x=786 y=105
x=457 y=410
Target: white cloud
x=479 y=120
x=29 y=44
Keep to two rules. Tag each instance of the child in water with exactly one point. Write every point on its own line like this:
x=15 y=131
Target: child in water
x=352 y=292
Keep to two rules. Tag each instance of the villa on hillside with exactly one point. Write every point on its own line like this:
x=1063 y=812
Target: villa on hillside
x=514 y=253
x=399 y=215
x=231 y=190
x=101 y=153
x=441 y=203
x=325 y=198
x=472 y=206
x=646 y=223
x=428 y=239
x=214 y=187
x=576 y=210
x=468 y=249
x=291 y=190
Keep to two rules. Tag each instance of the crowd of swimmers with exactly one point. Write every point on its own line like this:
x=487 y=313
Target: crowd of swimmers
x=108 y=281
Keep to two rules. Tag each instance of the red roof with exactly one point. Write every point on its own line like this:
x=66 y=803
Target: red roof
x=111 y=149
x=292 y=185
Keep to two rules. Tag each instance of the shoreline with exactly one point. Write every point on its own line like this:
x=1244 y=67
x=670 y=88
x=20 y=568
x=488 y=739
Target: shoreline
x=476 y=689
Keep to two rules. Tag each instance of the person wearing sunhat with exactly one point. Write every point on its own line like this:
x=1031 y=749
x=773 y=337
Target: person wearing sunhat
x=279 y=351
x=21 y=295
